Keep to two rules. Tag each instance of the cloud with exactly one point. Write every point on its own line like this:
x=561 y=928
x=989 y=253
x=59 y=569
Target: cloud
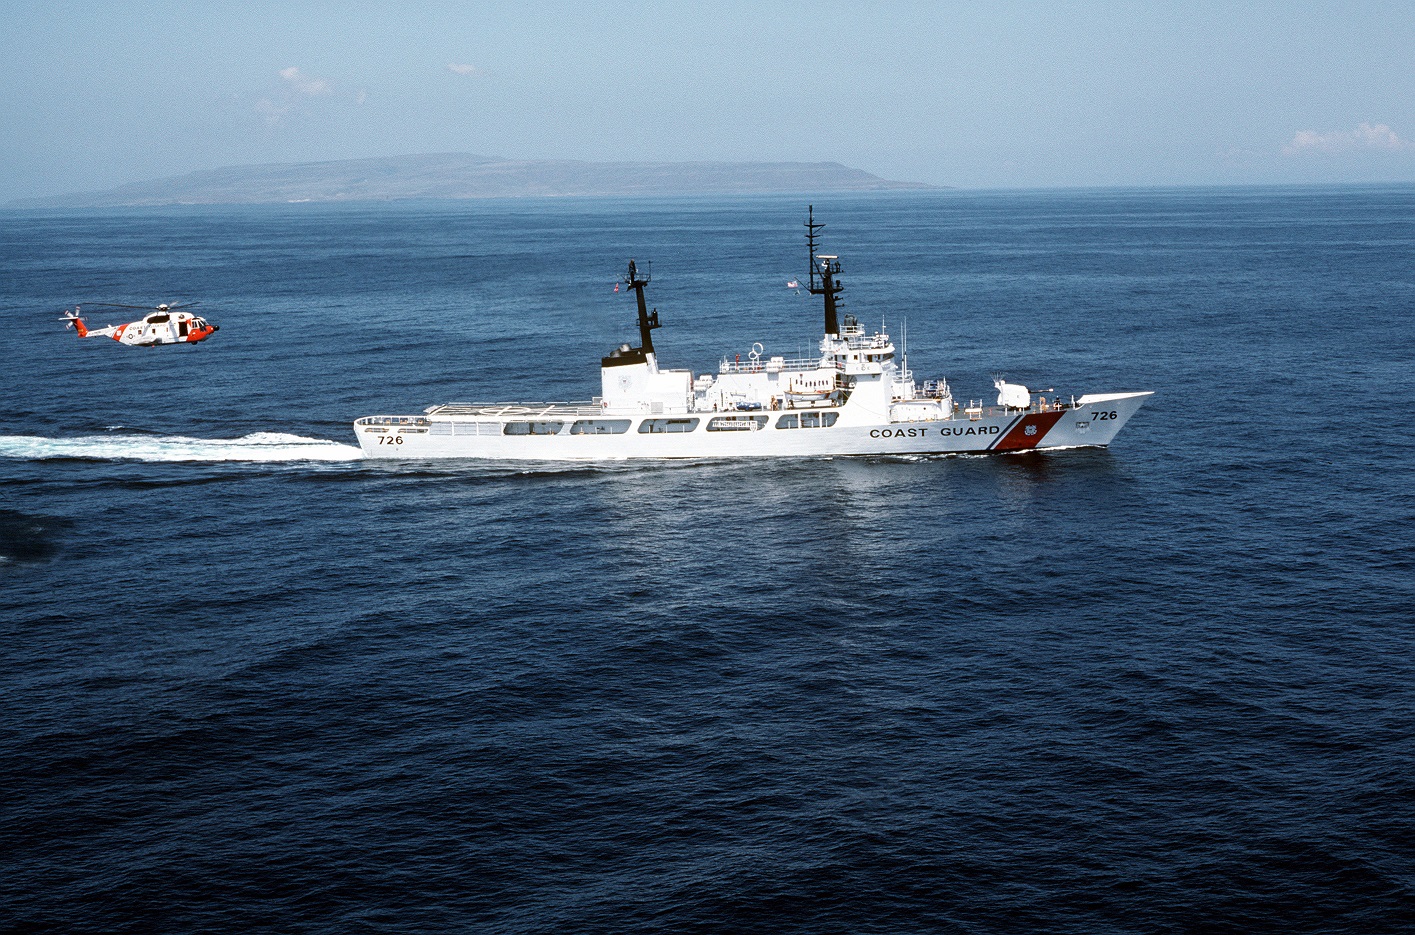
x=303 y=84
x=470 y=71
x=1365 y=138
x=295 y=94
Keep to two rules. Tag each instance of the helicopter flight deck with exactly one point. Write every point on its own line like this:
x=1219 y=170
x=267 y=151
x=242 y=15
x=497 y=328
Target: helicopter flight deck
x=855 y=398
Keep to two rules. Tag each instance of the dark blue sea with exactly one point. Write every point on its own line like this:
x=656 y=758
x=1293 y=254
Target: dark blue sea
x=251 y=683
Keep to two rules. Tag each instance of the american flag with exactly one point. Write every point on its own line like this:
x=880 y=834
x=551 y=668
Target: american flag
x=793 y=284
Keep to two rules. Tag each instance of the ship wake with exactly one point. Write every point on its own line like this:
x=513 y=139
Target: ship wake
x=258 y=446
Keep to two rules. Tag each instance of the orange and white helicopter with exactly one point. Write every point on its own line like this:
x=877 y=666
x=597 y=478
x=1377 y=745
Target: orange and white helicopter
x=164 y=325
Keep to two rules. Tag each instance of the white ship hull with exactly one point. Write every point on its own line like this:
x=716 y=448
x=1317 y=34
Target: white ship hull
x=480 y=433
x=854 y=398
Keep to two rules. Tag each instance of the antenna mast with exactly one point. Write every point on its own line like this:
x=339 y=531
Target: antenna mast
x=826 y=267
x=647 y=321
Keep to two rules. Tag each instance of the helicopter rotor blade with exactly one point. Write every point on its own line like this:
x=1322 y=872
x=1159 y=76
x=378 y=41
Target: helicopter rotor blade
x=146 y=308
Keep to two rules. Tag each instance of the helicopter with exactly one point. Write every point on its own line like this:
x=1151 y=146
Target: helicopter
x=164 y=325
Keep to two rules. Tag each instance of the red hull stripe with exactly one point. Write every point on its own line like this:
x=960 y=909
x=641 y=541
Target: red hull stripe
x=1029 y=432
x=999 y=438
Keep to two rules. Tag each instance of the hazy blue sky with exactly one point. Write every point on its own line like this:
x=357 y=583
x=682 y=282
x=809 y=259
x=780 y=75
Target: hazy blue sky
x=970 y=94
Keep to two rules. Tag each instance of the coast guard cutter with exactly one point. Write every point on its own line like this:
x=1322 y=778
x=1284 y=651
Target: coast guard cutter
x=855 y=398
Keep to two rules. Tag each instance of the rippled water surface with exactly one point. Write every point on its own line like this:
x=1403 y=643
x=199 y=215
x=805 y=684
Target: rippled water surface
x=252 y=681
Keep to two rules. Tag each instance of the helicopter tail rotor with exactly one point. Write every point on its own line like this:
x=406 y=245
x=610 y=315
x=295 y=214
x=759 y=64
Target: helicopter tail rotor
x=72 y=320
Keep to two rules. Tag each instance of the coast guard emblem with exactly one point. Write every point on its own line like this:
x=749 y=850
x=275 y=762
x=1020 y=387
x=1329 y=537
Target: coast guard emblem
x=1030 y=430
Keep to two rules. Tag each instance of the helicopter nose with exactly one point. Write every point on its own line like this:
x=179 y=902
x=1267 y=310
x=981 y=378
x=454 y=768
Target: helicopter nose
x=215 y=327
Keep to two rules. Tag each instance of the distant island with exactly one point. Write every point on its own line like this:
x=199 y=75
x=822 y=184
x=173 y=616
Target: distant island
x=459 y=175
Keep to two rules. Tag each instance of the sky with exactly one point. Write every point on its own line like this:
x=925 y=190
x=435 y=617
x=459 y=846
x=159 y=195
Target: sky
x=975 y=95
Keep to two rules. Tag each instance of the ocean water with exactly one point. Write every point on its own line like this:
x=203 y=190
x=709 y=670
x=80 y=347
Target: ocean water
x=253 y=682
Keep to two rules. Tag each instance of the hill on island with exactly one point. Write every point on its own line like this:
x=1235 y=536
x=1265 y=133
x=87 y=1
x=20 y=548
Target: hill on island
x=459 y=175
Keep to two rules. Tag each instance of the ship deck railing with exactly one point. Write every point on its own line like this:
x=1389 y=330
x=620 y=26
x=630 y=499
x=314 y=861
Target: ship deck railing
x=975 y=410
x=767 y=365
x=871 y=342
x=527 y=410
x=545 y=410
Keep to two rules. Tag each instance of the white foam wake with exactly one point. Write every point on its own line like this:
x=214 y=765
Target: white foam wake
x=260 y=446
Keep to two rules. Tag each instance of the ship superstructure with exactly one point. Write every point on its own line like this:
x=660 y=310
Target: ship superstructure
x=856 y=397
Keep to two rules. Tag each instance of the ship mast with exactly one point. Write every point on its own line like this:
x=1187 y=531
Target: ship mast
x=826 y=267
x=624 y=354
x=647 y=321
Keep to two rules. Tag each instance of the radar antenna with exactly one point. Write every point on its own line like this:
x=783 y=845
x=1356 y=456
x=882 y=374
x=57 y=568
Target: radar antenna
x=826 y=268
